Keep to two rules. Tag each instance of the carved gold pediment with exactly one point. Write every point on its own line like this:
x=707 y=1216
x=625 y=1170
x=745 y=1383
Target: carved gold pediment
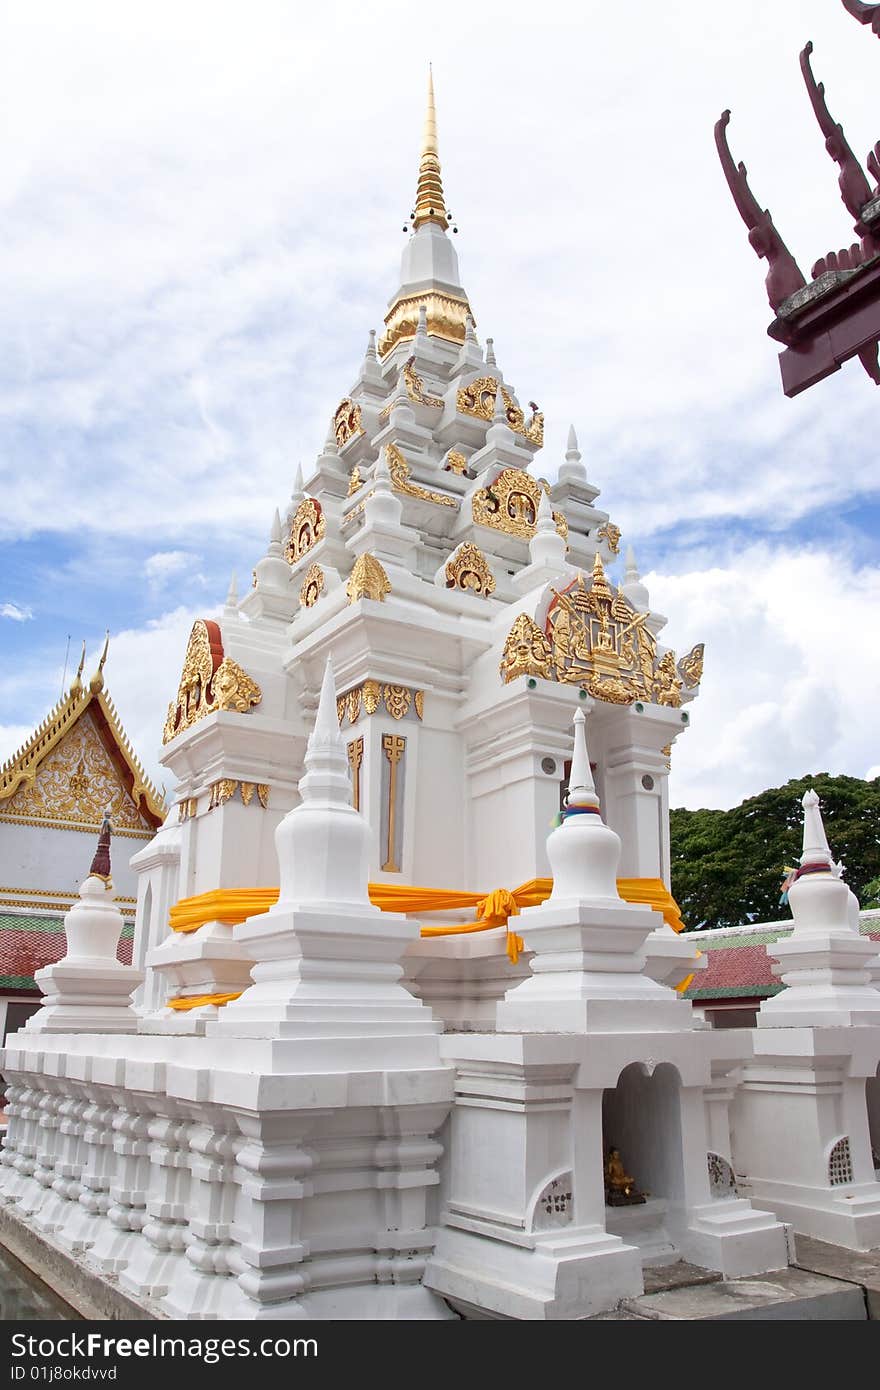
x=478 y=399
x=312 y=586
x=347 y=421
x=595 y=638
x=306 y=529
x=510 y=504
x=76 y=783
x=209 y=681
x=468 y=569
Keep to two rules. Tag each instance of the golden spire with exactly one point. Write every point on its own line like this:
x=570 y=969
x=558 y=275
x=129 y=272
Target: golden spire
x=430 y=206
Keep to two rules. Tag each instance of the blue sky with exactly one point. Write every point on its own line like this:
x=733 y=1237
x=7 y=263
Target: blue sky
x=200 y=220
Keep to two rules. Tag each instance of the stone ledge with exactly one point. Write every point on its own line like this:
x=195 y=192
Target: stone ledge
x=860 y=1267
x=88 y=1293
x=789 y=1294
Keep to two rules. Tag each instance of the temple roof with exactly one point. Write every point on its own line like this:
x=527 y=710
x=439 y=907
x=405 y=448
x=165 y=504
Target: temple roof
x=78 y=757
x=30 y=941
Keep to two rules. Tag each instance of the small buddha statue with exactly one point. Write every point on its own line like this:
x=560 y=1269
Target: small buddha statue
x=620 y=1188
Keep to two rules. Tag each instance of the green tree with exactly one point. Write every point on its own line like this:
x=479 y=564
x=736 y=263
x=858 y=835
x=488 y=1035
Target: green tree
x=728 y=866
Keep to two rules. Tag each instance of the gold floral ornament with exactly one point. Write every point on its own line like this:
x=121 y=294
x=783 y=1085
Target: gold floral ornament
x=468 y=569
x=209 y=681
x=610 y=533
x=372 y=692
x=510 y=504
x=306 y=529
x=415 y=386
x=690 y=668
x=447 y=319
x=347 y=421
x=367 y=580
x=399 y=470
x=526 y=651
x=312 y=586
x=478 y=400
x=397 y=698
x=355 y=481
x=455 y=462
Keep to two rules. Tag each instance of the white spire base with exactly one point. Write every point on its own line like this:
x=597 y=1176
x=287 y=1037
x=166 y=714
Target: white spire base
x=588 y=968
x=327 y=961
x=89 y=990
x=825 y=964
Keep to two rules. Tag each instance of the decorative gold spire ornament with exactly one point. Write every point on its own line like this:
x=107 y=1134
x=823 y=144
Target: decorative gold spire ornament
x=430 y=206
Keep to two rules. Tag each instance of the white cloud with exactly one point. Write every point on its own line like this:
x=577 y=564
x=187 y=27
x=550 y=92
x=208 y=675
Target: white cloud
x=790 y=675
x=164 y=565
x=16 y=611
x=12 y=737
x=195 y=249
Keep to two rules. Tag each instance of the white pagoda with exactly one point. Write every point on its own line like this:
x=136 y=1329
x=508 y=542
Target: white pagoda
x=403 y=1049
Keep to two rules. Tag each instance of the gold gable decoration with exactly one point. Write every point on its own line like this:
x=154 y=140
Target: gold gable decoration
x=209 y=681
x=510 y=504
x=594 y=638
x=77 y=762
x=478 y=400
x=346 y=421
x=306 y=529
x=76 y=783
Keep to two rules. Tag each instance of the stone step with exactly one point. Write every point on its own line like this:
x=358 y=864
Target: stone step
x=789 y=1294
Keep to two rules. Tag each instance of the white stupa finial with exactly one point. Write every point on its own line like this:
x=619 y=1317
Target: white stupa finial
x=816 y=848
x=545 y=522
x=572 y=469
x=581 y=787
x=297 y=496
x=371 y=354
x=499 y=413
x=275 y=534
x=422 y=329
x=632 y=586
x=470 y=335
x=326 y=730
x=231 y=604
x=490 y=353
x=382 y=507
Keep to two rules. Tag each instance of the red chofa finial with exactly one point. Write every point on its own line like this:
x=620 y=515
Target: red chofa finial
x=854 y=187
x=101 y=862
x=865 y=14
x=784 y=275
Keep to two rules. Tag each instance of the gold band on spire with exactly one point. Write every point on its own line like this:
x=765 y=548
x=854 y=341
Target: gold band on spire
x=430 y=206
